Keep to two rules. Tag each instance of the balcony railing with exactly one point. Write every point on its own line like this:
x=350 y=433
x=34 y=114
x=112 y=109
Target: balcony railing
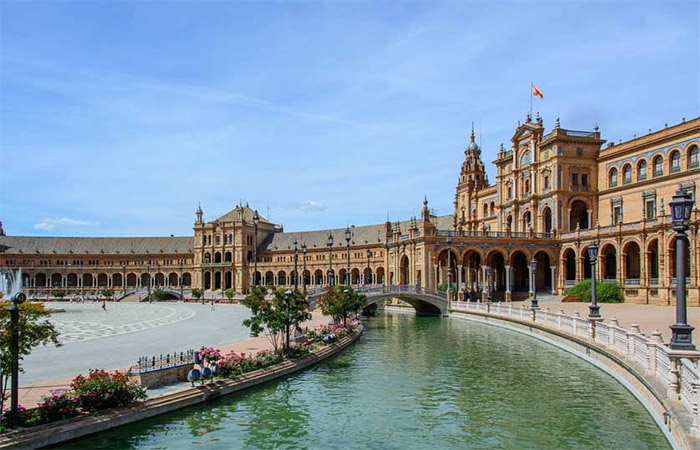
x=574 y=133
x=493 y=234
x=633 y=282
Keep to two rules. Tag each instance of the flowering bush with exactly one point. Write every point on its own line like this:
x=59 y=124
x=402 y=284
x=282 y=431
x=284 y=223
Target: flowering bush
x=101 y=390
x=60 y=405
x=209 y=354
x=26 y=417
x=233 y=364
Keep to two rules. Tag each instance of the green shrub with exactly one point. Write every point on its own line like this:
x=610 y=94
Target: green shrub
x=443 y=287
x=605 y=292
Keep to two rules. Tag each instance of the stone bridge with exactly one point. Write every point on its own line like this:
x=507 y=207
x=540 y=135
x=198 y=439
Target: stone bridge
x=426 y=302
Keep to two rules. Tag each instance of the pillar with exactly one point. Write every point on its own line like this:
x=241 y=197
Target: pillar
x=508 y=293
x=552 y=270
x=459 y=278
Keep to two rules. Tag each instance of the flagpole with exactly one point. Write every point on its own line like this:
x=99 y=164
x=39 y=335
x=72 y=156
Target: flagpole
x=531 y=95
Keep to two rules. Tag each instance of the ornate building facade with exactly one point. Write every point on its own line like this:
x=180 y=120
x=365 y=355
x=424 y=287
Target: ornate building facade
x=554 y=194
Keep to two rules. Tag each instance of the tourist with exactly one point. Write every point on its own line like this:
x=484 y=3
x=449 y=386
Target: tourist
x=104 y=304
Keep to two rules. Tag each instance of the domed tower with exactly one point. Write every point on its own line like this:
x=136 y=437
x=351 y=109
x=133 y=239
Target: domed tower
x=472 y=178
x=473 y=168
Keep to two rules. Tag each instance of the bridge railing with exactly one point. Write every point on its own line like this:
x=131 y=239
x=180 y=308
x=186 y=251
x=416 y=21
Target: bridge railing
x=678 y=372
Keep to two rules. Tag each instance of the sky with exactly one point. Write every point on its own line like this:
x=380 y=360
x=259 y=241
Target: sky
x=117 y=118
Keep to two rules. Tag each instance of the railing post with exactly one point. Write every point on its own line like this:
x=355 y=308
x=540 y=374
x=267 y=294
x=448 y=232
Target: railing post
x=631 y=340
x=652 y=346
x=695 y=428
x=574 y=323
x=559 y=317
x=674 y=378
x=611 y=336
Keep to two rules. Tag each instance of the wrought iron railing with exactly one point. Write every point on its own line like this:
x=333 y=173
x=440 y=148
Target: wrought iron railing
x=152 y=363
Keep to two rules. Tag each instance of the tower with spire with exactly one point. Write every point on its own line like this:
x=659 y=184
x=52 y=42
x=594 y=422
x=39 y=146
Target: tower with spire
x=472 y=178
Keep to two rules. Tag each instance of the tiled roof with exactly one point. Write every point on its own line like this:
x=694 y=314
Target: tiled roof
x=95 y=245
x=361 y=235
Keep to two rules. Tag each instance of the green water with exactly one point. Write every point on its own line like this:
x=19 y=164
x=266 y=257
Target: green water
x=415 y=383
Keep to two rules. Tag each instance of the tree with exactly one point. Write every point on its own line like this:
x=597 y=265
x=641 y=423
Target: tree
x=275 y=314
x=229 y=294
x=107 y=293
x=58 y=294
x=339 y=301
x=159 y=294
x=34 y=330
x=196 y=293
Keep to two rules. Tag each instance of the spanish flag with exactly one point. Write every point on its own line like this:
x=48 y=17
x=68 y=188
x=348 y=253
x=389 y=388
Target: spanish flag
x=536 y=91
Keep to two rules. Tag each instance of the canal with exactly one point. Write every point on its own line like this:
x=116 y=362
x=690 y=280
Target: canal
x=415 y=383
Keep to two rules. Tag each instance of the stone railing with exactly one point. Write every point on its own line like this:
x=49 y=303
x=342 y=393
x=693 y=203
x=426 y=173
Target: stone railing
x=678 y=371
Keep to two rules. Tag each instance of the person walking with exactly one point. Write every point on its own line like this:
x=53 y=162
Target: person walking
x=104 y=304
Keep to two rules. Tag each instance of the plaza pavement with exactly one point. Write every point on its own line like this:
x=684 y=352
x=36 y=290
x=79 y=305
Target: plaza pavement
x=114 y=339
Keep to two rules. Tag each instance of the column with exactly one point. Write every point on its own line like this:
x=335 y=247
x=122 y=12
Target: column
x=553 y=269
x=590 y=218
x=508 y=293
x=459 y=278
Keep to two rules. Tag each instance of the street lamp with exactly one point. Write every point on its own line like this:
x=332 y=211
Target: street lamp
x=296 y=260
x=369 y=272
x=330 y=259
x=256 y=219
x=15 y=301
x=488 y=283
x=303 y=273
x=148 y=270
x=347 y=240
x=286 y=299
x=449 y=262
x=123 y=278
x=533 y=269
x=593 y=258
x=180 y=280
x=681 y=332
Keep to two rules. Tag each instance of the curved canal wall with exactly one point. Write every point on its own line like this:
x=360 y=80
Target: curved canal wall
x=646 y=367
x=76 y=427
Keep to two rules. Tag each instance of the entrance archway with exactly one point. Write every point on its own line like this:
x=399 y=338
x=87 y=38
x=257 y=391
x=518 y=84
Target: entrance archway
x=578 y=215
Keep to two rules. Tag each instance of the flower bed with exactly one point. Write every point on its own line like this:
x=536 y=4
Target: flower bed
x=98 y=391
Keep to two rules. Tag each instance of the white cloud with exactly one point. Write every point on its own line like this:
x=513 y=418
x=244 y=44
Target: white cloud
x=50 y=224
x=311 y=205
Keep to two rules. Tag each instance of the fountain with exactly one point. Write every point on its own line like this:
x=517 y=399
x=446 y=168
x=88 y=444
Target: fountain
x=10 y=282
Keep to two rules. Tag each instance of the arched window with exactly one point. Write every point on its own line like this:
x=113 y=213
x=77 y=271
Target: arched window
x=486 y=210
x=493 y=208
x=627 y=174
x=642 y=170
x=693 y=157
x=525 y=159
x=675 y=161
x=527 y=186
x=613 y=178
x=658 y=166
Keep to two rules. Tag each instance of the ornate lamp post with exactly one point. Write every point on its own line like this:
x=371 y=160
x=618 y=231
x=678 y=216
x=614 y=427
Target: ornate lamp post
x=681 y=332
x=330 y=259
x=369 y=272
x=593 y=258
x=123 y=278
x=15 y=301
x=179 y=282
x=303 y=273
x=348 y=279
x=296 y=260
x=488 y=283
x=148 y=270
x=256 y=219
x=449 y=263
x=533 y=288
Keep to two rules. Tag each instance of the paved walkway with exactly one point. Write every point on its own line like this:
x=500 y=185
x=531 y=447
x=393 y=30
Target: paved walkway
x=648 y=317
x=116 y=338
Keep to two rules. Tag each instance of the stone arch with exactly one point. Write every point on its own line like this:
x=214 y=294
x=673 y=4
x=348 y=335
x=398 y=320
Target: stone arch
x=318 y=277
x=56 y=280
x=228 y=257
x=72 y=279
x=186 y=279
x=652 y=259
x=442 y=263
x=367 y=274
x=579 y=215
x=102 y=280
x=281 y=278
x=228 y=279
x=547 y=219
x=305 y=277
x=404 y=270
x=40 y=280
x=380 y=275
x=342 y=276
x=207 y=258
x=586 y=262
x=472 y=262
x=207 y=280
x=217 y=280
x=608 y=255
x=88 y=280
x=116 y=280
x=521 y=271
x=217 y=257
x=131 y=279
x=569 y=258
x=632 y=257
x=355 y=276
x=527 y=220
x=173 y=279
x=160 y=279
x=269 y=278
x=496 y=260
x=543 y=271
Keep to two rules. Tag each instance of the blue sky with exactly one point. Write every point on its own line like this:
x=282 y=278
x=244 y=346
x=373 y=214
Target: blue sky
x=118 y=118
